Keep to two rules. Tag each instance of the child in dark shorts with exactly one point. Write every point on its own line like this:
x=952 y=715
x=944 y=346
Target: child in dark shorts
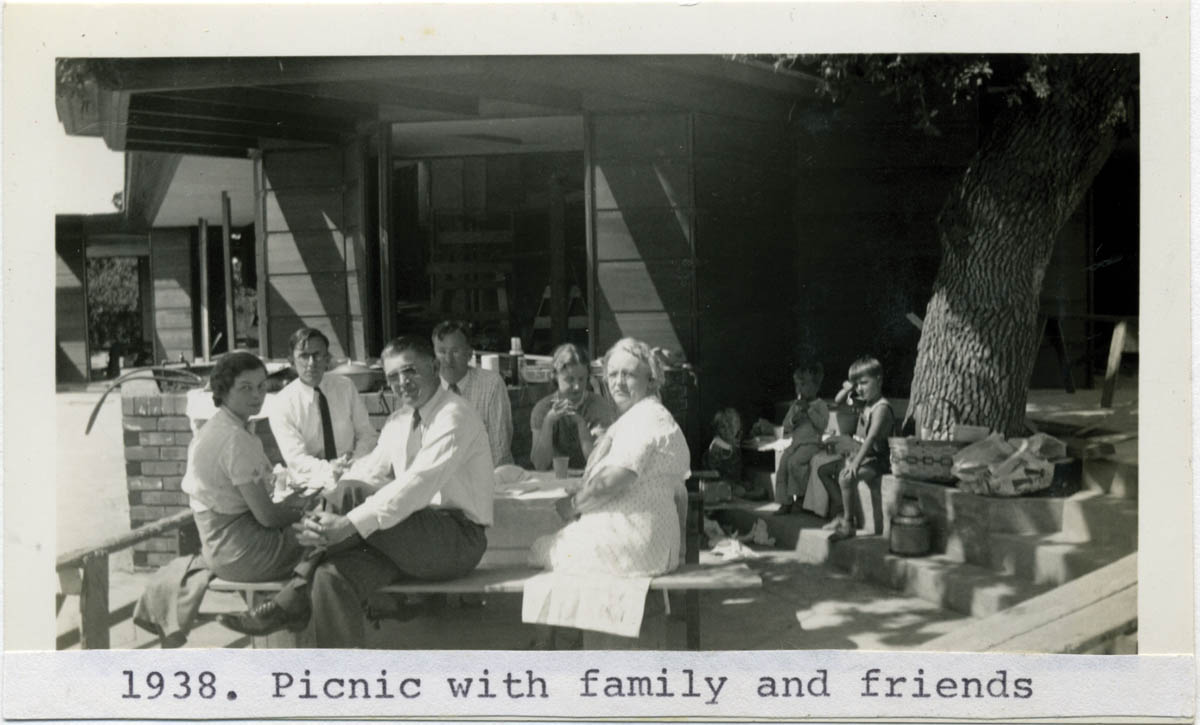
x=875 y=423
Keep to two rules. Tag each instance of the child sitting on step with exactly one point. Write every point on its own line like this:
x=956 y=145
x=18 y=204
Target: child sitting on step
x=876 y=421
x=805 y=421
x=724 y=455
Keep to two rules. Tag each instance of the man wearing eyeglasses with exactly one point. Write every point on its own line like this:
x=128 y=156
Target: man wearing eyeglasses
x=318 y=420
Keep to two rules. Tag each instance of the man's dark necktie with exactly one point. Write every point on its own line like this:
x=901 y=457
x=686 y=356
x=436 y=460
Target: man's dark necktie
x=327 y=427
x=414 y=440
x=454 y=389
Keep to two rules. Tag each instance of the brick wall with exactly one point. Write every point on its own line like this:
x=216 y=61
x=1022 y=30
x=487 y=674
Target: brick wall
x=157 y=434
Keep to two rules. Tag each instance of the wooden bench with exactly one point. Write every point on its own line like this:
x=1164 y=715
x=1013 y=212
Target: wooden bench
x=710 y=574
x=699 y=573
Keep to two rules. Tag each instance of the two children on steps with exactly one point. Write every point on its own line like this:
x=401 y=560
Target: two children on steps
x=807 y=418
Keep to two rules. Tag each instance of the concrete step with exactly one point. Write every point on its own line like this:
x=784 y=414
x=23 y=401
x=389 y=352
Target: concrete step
x=1051 y=622
x=1113 y=477
x=1053 y=559
x=968 y=588
x=1091 y=516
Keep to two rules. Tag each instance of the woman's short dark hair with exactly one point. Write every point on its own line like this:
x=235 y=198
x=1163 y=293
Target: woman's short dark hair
x=226 y=371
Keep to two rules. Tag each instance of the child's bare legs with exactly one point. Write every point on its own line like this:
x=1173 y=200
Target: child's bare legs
x=828 y=474
x=848 y=488
x=783 y=494
x=792 y=477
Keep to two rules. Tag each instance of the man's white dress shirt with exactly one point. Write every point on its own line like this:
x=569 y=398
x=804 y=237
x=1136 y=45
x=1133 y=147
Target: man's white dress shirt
x=452 y=469
x=295 y=417
x=486 y=391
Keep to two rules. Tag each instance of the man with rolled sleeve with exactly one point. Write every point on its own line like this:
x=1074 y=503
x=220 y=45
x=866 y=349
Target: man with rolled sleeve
x=318 y=420
x=423 y=501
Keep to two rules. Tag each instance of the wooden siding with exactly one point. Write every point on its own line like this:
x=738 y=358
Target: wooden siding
x=354 y=221
x=693 y=248
x=641 y=181
x=311 y=212
x=70 y=301
x=172 y=271
x=618 y=232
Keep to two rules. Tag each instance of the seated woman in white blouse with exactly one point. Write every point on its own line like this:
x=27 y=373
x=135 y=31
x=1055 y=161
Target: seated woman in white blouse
x=627 y=518
x=244 y=535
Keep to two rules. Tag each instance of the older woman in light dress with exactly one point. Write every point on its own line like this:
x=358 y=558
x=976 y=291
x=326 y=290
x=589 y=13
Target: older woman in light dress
x=627 y=517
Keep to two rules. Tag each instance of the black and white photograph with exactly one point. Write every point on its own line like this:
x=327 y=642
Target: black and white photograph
x=759 y=350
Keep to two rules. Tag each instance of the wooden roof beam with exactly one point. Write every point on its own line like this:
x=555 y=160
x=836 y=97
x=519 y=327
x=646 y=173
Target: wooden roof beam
x=163 y=74
x=274 y=99
x=185 y=107
x=494 y=84
x=234 y=152
x=377 y=92
x=733 y=70
x=148 y=177
x=160 y=135
x=217 y=126
x=663 y=88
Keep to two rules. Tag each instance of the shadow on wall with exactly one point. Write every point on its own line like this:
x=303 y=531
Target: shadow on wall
x=308 y=281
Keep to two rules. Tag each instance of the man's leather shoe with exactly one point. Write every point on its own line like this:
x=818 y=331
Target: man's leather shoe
x=266 y=618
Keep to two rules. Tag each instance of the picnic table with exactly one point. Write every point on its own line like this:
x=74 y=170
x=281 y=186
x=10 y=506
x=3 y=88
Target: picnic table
x=522 y=512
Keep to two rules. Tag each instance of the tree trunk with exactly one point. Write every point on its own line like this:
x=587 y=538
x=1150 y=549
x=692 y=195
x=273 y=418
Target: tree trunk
x=997 y=231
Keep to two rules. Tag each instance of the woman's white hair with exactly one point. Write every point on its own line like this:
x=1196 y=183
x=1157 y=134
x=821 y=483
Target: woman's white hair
x=643 y=353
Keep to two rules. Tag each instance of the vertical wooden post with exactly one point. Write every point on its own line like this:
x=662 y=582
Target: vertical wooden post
x=387 y=295
x=205 y=330
x=260 y=252
x=227 y=265
x=558 y=263
x=1116 y=348
x=93 y=603
x=1064 y=356
x=691 y=555
x=589 y=220
x=146 y=298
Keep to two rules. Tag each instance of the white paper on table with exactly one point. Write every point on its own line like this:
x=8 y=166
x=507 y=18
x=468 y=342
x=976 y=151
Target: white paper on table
x=597 y=602
x=538 y=485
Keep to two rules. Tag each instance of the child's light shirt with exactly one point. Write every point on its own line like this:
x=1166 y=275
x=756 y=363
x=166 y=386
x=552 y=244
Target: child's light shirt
x=806 y=427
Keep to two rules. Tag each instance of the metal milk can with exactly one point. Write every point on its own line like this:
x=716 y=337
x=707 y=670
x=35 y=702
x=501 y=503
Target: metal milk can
x=910 y=529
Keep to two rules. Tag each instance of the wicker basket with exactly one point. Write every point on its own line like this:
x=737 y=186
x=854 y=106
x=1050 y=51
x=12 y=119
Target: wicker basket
x=924 y=460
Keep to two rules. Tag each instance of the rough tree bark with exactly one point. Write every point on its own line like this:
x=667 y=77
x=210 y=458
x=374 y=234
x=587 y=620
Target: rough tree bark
x=997 y=231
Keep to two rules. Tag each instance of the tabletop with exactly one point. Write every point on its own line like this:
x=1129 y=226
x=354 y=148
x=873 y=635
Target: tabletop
x=523 y=511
